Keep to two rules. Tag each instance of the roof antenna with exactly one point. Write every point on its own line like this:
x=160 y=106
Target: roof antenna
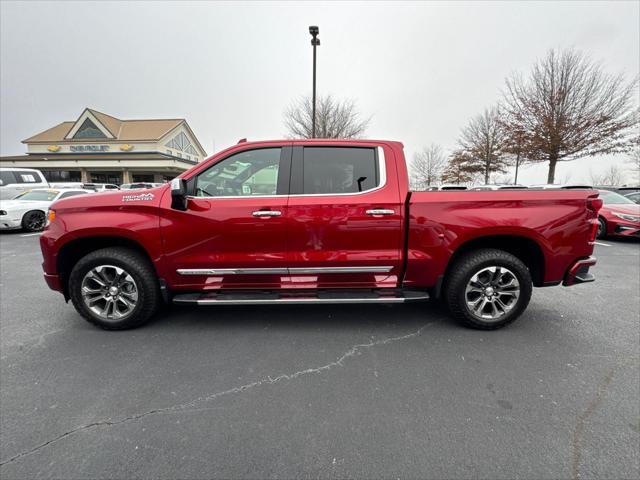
x=242 y=140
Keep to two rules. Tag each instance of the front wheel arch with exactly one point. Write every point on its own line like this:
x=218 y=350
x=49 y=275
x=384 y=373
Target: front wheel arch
x=71 y=253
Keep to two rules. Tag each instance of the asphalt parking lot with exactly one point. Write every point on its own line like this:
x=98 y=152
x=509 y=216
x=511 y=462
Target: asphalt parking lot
x=325 y=391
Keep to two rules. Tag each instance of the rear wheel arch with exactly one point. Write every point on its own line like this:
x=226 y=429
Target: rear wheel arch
x=528 y=251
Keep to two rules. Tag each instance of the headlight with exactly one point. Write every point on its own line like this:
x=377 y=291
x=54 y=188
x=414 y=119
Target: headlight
x=3 y=212
x=628 y=218
x=51 y=216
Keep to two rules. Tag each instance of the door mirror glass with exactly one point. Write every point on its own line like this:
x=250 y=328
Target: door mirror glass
x=179 y=194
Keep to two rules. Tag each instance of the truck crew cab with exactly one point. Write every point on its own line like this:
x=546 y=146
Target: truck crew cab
x=314 y=221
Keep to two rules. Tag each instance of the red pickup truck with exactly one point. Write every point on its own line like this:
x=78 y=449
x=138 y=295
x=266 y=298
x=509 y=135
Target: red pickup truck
x=314 y=221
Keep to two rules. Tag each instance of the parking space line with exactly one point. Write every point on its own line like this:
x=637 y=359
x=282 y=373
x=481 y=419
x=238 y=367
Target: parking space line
x=603 y=244
x=31 y=234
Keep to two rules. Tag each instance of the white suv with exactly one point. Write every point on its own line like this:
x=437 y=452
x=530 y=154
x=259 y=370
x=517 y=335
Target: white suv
x=14 y=181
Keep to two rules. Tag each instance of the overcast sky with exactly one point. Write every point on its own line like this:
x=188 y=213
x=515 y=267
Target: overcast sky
x=421 y=70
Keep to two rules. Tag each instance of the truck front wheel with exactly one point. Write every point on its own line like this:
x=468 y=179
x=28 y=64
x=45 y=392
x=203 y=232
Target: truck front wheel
x=487 y=289
x=114 y=288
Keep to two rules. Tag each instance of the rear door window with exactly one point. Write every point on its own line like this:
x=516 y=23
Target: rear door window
x=331 y=170
x=27 y=177
x=7 y=178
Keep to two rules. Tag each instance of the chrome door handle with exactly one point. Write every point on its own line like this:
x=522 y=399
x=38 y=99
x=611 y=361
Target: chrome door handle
x=267 y=213
x=380 y=211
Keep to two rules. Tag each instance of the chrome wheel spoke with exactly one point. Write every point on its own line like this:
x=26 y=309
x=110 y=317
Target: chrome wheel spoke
x=497 y=275
x=93 y=275
x=91 y=291
x=107 y=307
x=480 y=304
x=94 y=299
x=128 y=303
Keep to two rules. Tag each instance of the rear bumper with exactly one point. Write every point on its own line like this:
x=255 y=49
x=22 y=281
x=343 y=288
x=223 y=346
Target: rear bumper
x=579 y=272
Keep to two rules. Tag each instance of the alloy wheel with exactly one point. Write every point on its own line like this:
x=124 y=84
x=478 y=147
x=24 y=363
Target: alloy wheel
x=110 y=292
x=491 y=293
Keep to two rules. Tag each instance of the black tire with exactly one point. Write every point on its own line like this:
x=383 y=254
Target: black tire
x=135 y=265
x=469 y=265
x=602 y=228
x=34 y=221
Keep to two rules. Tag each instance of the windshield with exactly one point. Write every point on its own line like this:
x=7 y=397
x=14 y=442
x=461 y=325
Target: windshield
x=612 y=198
x=38 y=195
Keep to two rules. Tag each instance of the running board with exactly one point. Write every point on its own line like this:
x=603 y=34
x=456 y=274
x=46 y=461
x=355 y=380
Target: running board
x=293 y=297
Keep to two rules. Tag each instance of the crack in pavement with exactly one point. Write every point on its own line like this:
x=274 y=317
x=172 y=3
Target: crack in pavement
x=592 y=406
x=268 y=380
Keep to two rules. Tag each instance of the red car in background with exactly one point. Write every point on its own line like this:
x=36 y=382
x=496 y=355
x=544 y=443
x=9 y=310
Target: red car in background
x=618 y=216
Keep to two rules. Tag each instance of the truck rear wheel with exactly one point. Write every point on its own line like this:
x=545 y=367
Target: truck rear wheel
x=114 y=288
x=487 y=289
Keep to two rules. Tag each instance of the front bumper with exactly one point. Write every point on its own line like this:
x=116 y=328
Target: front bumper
x=8 y=223
x=579 y=272
x=53 y=281
x=623 y=229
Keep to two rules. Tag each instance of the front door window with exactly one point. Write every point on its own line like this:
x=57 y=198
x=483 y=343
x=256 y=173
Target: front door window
x=245 y=174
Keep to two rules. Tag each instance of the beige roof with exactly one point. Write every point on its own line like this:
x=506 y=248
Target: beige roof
x=122 y=130
x=112 y=123
x=54 y=134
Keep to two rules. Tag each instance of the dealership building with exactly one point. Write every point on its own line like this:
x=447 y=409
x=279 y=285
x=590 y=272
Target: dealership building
x=99 y=148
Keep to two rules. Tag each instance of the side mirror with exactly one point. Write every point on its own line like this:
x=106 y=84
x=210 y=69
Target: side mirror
x=179 y=194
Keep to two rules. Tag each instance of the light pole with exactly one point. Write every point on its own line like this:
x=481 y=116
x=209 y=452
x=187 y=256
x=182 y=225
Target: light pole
x=315 y=41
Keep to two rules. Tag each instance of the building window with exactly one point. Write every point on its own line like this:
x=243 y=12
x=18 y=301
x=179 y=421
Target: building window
x=62 y=176
x=182 y=143
x=88 y=129
x=142 y=178
x=106 y=177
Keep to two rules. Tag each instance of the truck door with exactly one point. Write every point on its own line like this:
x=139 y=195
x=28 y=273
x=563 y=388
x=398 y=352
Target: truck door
x=344 y=217
x=233 y=233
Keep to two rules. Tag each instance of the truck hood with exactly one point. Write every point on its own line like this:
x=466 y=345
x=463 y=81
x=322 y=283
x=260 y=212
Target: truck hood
x=117 y=199
x=624 y=208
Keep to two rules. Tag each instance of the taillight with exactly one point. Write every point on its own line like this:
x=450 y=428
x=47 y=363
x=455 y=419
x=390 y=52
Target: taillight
x=594 y=204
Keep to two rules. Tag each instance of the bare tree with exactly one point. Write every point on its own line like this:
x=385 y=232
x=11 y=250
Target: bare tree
x=570 y=108
x=634 y=161
x=484 y=140
x=565 y=179
x=334 y=118
x=461 y=168
x=514 y=145
x=612 y=176
x=427 y=166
